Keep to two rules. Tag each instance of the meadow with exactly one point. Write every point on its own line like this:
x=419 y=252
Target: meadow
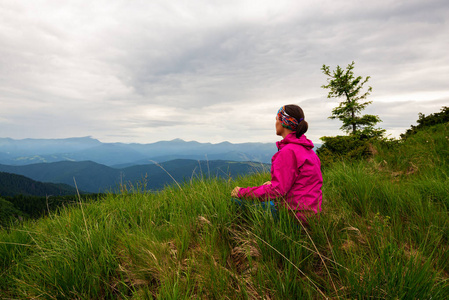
x=383 y=234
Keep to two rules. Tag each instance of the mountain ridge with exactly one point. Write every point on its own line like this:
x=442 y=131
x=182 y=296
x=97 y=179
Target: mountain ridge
x=93 y=177
x=14 y=184
x=31 y=151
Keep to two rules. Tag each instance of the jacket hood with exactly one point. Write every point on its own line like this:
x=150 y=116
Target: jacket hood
x=291 y=139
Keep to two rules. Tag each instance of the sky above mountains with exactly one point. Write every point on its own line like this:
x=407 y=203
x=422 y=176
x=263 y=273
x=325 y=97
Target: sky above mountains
x=212 y=71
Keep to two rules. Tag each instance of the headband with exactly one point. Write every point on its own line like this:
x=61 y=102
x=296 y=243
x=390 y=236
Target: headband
x=287 y=120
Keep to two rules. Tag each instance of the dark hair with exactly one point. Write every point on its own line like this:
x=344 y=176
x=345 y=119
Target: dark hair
x=296 y=112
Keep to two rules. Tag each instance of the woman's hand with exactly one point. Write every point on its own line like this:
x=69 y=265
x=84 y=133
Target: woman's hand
x=267 y=183
x=235 y=192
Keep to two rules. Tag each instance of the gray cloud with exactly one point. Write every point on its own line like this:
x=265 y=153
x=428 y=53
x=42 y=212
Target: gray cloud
x=200 y=70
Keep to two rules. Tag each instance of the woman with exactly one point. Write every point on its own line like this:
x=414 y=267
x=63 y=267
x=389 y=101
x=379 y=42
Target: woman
x=295 y=169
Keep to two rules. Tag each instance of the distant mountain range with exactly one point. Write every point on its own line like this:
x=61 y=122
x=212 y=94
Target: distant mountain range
x=99 y=167
x=94 y=178
x=30 y=151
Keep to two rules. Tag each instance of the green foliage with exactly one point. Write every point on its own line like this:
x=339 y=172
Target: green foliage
x=8 y=213
x=36 y=207
x=20 y=207
x=338 y=148
x=427 y=121
x=351 y=147
x=382 y=234
x=427 y=150
x=343 y=83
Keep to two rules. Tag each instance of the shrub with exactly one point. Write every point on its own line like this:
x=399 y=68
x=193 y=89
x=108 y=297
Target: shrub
x=427 y=121
x=354 y=146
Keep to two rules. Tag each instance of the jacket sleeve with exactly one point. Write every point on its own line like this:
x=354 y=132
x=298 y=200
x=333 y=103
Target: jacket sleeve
x=284 y=172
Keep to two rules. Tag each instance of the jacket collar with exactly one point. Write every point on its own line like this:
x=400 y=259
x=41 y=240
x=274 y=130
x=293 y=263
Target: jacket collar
x=291 y=139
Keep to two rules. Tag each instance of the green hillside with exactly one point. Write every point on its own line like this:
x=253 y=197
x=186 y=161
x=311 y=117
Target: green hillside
x=12 y=185
x=89 y=176
x=22 y=197
x=383 y=234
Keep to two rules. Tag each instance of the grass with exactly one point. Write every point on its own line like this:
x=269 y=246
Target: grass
x=383 y=234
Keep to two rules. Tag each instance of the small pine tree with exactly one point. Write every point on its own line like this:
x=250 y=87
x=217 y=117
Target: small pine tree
x=342 y=83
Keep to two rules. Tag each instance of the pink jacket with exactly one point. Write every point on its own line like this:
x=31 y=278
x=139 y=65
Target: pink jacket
x=295 y=178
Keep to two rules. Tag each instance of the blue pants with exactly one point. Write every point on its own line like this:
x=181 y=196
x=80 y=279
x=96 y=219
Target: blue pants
x=261 y=205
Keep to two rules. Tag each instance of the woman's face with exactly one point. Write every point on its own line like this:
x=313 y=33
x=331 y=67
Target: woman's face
x=279 y=128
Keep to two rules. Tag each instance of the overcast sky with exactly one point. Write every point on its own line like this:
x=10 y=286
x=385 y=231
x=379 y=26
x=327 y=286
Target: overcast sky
x=210 y=70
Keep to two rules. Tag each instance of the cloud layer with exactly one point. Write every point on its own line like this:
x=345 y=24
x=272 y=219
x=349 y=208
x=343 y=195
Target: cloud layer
x=211 y=71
